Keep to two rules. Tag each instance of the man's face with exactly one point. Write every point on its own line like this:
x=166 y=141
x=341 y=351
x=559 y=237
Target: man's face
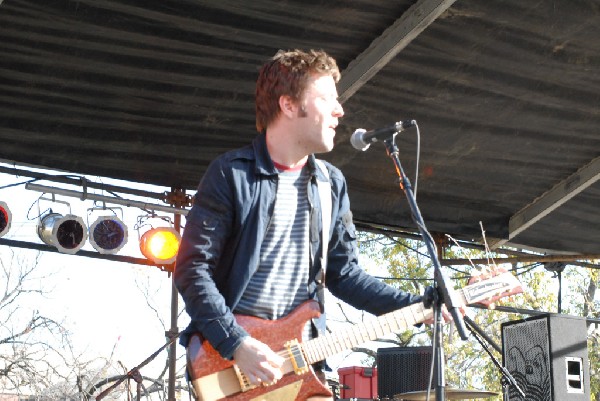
x=318 y=115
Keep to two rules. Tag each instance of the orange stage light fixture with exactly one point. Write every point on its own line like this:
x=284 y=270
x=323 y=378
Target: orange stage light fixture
x=5 y=218
x=67 y=233
x=160 y=245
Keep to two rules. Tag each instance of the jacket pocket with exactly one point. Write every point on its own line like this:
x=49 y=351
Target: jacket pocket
x=348 y=234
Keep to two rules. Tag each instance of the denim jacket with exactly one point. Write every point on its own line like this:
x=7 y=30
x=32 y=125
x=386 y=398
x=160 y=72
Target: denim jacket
x=221 y=244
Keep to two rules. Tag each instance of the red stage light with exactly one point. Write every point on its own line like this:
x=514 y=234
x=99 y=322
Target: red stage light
x=5 y=218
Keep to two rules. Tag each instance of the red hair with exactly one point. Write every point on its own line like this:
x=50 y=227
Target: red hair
x=287 y=73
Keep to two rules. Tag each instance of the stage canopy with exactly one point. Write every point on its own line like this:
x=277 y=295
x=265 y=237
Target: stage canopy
x=506 y=95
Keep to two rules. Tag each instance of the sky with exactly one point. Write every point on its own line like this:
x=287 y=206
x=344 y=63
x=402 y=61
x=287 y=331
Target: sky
x=101 y=302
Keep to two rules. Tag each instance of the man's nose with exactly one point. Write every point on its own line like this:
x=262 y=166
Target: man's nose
x=338 y=111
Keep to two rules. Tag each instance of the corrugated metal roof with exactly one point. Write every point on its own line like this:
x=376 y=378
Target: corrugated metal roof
x=506 y=95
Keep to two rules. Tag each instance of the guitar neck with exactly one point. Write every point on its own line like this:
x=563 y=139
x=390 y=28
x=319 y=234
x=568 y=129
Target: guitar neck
x=331 y=344
x=325 y=346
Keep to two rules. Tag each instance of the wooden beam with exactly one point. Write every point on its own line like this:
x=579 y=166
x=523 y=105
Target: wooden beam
x=383 y=49
x=522 y=259
x=552 y=200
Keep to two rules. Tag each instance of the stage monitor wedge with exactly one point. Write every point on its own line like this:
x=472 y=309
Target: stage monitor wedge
x=548 y=357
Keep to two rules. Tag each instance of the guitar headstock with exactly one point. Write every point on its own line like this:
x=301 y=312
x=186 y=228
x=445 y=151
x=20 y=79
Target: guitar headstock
x=490 y=286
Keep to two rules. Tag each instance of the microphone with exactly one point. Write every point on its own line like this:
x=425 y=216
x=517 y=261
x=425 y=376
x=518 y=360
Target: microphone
x=362 y=139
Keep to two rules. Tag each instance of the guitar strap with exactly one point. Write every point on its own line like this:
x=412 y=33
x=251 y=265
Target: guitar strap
x=325 y=197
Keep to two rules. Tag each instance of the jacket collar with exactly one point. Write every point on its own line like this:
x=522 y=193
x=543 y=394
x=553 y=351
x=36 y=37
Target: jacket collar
x=264 y=164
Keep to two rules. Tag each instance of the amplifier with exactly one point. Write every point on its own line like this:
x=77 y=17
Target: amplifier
x=402 y=370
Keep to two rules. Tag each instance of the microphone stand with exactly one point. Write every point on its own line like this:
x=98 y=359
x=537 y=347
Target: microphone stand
x=442 y=282
x=507 y=378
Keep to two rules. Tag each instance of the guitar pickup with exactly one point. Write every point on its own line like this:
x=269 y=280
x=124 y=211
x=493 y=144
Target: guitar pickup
x=296 y=355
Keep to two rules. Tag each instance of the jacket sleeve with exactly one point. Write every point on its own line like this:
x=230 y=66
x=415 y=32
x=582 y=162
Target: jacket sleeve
x=196 y=275
x=345 y=278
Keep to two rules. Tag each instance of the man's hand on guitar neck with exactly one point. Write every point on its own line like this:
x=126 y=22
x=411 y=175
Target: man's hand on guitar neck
x=258 y=362
x=431 y=296
x=445 y=315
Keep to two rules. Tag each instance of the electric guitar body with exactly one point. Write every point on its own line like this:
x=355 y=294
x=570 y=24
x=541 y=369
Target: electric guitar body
x=204 y=361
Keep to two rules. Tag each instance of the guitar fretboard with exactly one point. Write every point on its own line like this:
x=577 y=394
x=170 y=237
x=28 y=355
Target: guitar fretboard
x=331 y=344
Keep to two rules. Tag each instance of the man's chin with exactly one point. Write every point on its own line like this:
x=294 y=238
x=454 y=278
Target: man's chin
x=329 y=145
x=325 y=149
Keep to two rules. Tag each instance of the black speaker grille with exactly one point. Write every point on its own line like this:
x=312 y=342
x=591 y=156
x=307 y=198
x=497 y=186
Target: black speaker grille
x=527 y=358
x=402 y=370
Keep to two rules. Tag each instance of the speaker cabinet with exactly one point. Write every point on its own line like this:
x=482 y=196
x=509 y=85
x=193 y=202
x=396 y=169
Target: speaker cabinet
x=548 y=357
x=402 y=369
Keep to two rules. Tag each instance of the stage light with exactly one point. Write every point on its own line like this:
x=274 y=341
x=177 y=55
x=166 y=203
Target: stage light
x=67 y=233
x=5 y=218
x=108 y=234
x=160 y=245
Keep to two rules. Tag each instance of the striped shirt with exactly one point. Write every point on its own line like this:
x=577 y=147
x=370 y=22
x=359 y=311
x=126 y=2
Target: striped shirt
x=280 y=283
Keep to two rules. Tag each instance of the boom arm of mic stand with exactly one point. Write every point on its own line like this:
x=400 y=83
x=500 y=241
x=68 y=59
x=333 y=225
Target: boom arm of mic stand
x=507 y=377
x=471 y=325
x=447 y=292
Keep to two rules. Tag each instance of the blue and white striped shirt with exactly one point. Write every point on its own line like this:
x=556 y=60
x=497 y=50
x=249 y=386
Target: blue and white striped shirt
x=280 y=283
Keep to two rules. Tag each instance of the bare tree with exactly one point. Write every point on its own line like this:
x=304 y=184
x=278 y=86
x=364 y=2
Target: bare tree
x=26 y=336
x=134 y=380
x=37 y=356
x=36 y=353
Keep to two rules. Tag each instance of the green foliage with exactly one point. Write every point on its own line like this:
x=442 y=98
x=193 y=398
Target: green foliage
x=468 y=365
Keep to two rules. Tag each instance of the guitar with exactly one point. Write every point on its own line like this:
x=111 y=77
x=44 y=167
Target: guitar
x=214 y=378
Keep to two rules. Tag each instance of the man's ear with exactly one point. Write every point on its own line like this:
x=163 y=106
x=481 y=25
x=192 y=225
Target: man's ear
x=288 y=106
